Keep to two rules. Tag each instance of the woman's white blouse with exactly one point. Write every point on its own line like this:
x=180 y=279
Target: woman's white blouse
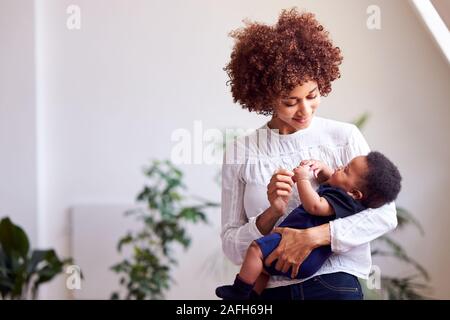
x=249 y=163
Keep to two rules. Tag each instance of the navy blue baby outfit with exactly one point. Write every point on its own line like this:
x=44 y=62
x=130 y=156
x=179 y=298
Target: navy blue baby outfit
x=343 y=205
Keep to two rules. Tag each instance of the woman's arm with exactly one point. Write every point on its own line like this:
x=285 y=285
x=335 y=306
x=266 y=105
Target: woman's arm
x=362 y=227
x=342 y=234
x=237 y=230
x=266 y=220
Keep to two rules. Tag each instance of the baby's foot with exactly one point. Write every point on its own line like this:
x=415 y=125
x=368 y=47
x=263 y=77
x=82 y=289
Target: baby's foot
x=231 y=293
x=240 y=290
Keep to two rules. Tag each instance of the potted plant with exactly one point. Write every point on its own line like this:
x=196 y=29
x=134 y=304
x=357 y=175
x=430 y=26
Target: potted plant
x=22 y=270
x=145 y=273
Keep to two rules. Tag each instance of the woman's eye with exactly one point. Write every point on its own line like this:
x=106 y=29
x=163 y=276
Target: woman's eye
x=288 y=103
x=312 y=97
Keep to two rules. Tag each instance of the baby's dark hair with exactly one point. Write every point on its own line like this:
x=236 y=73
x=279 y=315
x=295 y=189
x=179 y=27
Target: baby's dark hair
x=382 y=181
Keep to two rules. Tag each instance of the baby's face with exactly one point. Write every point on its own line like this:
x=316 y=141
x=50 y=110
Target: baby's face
x=351 y=176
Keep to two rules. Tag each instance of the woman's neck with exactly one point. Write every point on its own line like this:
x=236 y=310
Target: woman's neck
x=281 y=126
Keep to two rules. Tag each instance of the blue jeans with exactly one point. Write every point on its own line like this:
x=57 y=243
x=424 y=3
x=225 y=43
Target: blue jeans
x=332 y=286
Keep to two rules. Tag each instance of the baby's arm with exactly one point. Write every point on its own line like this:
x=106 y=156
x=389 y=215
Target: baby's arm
x=311 y=201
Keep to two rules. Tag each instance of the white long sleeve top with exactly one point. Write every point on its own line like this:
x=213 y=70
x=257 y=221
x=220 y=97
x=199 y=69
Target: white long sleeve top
x=249 y=163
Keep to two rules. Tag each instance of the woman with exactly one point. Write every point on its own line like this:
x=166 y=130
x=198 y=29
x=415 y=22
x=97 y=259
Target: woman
x=282 y=71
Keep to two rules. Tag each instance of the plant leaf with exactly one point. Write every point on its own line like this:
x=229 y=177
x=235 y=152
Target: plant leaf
x=404 y=217
x=361 y=121
x=13 y=238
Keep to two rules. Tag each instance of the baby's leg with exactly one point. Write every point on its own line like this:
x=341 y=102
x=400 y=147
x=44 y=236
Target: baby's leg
x=261 y=282
x=246 y=279
x=252 y=266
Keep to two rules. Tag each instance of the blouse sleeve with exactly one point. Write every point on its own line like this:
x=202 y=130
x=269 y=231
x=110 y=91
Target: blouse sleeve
x=237 y=230
x=367 y=225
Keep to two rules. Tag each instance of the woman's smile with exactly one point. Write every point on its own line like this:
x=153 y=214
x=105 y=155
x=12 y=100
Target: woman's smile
x=301 y=120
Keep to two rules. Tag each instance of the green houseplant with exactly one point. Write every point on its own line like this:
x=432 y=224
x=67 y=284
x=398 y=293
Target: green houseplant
x=145 y=274
x=22 y=270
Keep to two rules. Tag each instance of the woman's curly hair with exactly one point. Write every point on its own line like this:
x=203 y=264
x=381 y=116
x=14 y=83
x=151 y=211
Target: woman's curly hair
x=270 y=61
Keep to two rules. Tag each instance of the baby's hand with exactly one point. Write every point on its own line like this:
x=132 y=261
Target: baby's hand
x=302 y=172
x=318 y=167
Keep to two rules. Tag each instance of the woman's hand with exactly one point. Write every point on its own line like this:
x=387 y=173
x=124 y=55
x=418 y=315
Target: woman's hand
x=296 y=245
x=279 y=190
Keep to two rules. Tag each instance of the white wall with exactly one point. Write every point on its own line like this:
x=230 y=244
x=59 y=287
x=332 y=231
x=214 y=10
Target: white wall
x=110 y=95
x=18 y=189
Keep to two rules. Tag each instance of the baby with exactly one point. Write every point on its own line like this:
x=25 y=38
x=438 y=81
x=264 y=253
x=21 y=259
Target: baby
x=365 y=182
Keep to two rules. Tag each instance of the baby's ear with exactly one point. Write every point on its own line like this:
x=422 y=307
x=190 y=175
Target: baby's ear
x=355 y=194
